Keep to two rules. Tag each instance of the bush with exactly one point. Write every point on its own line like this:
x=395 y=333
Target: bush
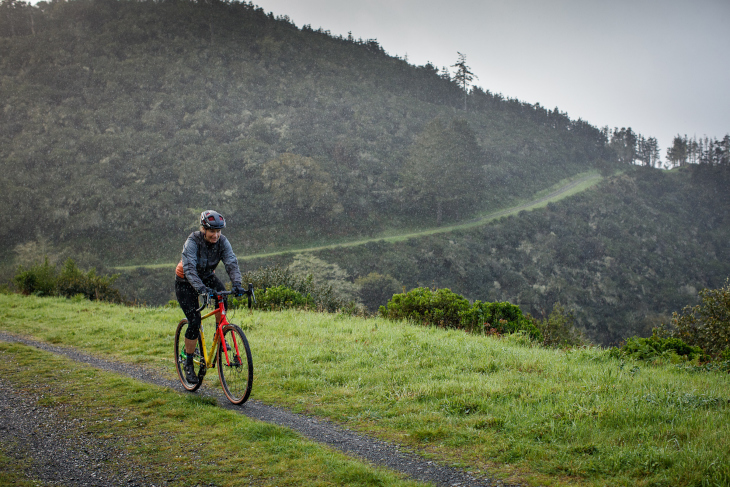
x=655 y=347
x=559 y=329
x=422 y=305
x=706 y=325
x=322 y=295
x=281 y=297
x=499 y=318
x=444 y=308
x=376 y=289
x=72 y=282
x=44 y=280
x=39 y=279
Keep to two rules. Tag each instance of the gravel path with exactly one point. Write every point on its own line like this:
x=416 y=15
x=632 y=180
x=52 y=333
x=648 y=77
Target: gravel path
x=60 y=454
x=56 y=459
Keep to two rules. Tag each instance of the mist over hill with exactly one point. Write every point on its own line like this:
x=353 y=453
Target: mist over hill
x=122 y=120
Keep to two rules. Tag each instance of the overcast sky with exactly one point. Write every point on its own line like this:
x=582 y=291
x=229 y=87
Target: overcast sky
x=661 y=67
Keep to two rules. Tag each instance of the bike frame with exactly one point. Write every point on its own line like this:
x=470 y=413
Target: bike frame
x=218 y=337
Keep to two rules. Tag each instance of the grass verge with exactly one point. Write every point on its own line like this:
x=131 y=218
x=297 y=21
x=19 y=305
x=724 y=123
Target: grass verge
x=547 y=417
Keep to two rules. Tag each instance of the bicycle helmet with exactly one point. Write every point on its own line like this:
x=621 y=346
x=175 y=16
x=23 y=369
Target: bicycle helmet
x=212 y=220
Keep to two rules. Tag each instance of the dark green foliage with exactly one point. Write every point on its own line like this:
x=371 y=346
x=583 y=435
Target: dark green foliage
x=442 y=307
x=40 y=279
x=72 y=282
x=285 y=282
x=439 y=307
x=281 y=297
x=376 y=290
x=706 y=325
x=45 y=280
x=499 y=318
x=655 y=346
x=444 y=172
x=559 y=329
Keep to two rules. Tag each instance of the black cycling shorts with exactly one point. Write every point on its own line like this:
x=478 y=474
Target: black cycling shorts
x=187 y=297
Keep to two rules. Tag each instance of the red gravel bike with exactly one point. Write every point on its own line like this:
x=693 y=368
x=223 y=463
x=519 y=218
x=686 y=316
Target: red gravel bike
x=229 y=351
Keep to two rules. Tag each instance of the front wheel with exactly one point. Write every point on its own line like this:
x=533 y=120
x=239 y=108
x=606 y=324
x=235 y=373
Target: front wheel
x=180 y=356
x=236 y=371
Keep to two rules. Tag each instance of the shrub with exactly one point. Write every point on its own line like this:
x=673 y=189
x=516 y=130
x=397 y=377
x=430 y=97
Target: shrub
x=281 y=297
x=499 y=318
x=40 y=279
x=444 y=308
x=72 y=281
x=706 y=325
x=655 y=346
x=559 y=329
x=322 y=295
x=44 y=280
x=422 y=305
x=376 y=289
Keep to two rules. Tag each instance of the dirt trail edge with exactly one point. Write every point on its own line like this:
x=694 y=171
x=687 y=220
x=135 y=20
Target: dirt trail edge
x=367 y=448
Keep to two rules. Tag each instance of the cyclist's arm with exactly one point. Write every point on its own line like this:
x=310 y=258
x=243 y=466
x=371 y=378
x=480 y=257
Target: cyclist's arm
x=230 y=261
x=190 y=262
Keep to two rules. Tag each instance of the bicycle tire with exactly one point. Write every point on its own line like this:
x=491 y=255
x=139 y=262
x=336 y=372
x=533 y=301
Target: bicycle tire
x=180 y=356
x=236 y=375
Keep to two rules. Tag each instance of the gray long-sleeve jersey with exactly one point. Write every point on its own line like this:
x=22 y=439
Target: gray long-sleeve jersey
x=200 y=258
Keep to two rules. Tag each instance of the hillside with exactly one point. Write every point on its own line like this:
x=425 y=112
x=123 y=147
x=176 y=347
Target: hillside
x=622 y=255
x=123 y=119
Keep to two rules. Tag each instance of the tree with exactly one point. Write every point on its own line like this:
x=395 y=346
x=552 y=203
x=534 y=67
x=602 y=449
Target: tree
x=299 y=185
x=463 y=75
x=648 y=151
x=375 y=290
x=678 y=152
x=325 y=274
x=707 y=324
x=624 y=143
x=444 y=168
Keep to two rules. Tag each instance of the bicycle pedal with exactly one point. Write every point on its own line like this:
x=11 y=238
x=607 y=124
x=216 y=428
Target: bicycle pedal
x=202 y=371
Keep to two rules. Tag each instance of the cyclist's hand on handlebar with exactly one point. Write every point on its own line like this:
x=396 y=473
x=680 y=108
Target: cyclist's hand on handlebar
x=238 y=290
x=206 y=291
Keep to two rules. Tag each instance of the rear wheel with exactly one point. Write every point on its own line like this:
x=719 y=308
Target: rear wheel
x=181 y=357
x=235 y=372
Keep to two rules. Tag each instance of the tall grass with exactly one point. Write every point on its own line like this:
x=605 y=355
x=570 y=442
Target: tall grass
x=575 y=417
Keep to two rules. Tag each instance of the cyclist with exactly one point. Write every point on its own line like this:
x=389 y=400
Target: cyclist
x=195 y=275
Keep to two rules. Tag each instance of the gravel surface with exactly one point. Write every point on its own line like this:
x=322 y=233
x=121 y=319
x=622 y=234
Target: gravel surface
x=58 y=459
x=60 y=454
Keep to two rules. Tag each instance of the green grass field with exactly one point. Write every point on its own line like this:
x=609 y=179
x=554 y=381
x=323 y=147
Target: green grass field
x=543 y=417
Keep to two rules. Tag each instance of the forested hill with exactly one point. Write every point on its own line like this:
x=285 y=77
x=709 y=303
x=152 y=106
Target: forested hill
x=122 y=120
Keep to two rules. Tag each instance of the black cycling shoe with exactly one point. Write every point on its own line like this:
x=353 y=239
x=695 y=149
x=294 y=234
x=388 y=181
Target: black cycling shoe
x=190 y=375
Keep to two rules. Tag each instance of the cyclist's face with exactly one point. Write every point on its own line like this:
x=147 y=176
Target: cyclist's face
x=212 y=236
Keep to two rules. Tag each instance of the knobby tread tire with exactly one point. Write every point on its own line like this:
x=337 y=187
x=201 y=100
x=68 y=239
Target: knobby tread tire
x=236 y=377
x=179 y=359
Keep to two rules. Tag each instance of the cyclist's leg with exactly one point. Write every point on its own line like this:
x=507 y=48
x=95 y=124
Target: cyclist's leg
x=187 y=297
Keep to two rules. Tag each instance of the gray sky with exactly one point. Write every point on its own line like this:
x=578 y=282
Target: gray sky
x=660 y=67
